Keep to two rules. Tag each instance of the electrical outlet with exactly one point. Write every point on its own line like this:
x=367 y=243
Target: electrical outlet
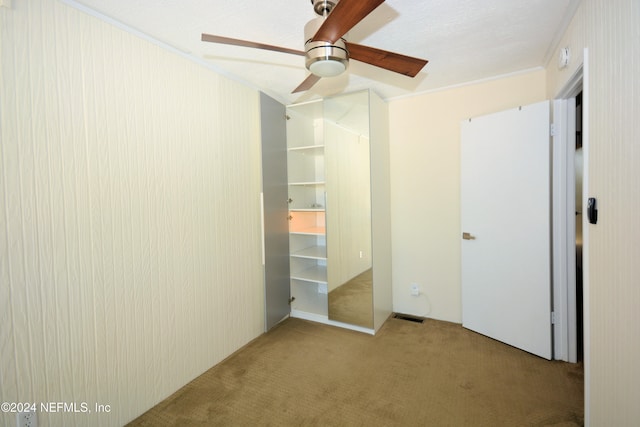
x=415 y=289
x=26 y=419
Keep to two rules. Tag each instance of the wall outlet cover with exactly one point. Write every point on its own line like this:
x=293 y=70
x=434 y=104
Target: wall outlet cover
x=27 y=419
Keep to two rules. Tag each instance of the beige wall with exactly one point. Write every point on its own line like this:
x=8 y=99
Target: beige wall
x=574 y=40
x=425 y=187
x=129 y=216
x=609 y=30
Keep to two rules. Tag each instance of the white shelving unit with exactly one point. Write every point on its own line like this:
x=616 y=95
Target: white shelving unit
x=307 y=221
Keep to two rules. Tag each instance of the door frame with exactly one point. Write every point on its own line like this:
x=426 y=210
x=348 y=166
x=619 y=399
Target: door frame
x=563 y=227
x=564 y=302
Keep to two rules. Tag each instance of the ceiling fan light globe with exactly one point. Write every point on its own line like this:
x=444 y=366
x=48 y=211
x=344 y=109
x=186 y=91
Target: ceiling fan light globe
x=327 y=68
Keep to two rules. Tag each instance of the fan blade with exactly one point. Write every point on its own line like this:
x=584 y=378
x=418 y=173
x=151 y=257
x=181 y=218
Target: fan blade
x=307 y=83
x=391 y=61
x=343 y=17
x=244 y=43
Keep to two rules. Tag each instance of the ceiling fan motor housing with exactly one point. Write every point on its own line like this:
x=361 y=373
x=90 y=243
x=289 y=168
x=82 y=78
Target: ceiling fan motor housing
x=324 y=59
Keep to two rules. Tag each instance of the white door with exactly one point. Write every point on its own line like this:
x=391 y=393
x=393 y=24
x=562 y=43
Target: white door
x=505 y=185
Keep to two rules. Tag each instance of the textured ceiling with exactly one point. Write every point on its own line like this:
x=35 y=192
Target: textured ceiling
x=464 y=40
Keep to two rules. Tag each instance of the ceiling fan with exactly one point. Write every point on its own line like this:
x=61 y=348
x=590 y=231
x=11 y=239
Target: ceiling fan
x=327 y=52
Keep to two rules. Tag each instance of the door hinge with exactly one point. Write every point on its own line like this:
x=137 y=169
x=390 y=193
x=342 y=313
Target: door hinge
x=552 y=129
x=553 y=317
x=292 y=299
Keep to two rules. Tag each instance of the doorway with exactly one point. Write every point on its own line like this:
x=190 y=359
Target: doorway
x=579 y=177
x=569 y=240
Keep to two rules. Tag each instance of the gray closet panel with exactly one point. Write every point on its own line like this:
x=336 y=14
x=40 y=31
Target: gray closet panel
x=275 y=207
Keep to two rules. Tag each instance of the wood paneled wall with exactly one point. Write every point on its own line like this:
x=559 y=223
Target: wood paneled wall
x=610 y=32
x=130 y=257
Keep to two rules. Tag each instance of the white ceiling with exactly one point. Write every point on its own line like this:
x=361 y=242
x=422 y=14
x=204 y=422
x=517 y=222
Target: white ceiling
x=464 y=40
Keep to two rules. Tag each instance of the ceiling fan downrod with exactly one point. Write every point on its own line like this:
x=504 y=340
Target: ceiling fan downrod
x=323 y=7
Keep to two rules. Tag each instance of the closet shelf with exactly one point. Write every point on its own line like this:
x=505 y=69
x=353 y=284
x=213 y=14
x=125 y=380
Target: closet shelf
x=307 y=183
x=315 y=274
x=312 y=231
x=313 y=252
x=308 y=148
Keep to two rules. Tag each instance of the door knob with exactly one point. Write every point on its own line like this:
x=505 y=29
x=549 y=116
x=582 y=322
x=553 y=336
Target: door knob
x=468 y=236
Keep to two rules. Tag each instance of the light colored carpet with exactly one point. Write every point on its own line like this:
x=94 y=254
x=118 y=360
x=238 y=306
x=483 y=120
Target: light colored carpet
x=431 y=374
